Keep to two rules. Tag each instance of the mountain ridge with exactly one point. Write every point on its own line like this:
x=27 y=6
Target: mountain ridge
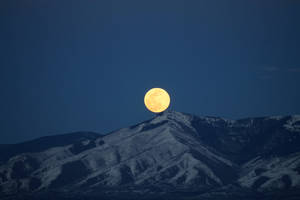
x=170 y=153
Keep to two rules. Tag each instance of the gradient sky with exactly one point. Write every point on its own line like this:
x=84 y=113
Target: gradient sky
x=85 y=65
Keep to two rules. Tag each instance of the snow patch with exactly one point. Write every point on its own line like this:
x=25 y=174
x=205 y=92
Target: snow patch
x=293 y=124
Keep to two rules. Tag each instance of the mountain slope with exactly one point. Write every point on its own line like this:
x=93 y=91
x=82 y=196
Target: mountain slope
x=170 y=153
x=9 y=150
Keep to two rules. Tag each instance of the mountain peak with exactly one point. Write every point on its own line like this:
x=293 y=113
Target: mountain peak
x=172 y=115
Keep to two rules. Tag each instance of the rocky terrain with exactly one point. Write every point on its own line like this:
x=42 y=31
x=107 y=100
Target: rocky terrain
x=172 y=156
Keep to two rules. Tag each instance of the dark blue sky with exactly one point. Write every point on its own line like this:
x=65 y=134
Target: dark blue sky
x=85 y=65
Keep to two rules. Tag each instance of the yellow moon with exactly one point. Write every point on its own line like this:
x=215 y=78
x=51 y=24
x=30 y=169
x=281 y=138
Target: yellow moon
x=157 y=100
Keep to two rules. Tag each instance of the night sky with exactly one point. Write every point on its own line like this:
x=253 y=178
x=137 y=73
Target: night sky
x=85 y=65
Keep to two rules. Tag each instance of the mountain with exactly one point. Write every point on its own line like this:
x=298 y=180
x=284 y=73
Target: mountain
x=172 y=156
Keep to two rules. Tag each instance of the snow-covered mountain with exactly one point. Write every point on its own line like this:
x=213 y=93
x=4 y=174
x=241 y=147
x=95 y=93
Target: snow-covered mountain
x=173 y=155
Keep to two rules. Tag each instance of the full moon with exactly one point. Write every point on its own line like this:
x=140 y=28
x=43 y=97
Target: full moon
x=157 y=100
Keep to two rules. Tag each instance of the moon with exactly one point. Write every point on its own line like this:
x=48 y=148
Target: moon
x=157 y=100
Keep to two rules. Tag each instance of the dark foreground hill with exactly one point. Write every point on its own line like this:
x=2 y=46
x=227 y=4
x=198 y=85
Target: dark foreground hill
x=172 y=156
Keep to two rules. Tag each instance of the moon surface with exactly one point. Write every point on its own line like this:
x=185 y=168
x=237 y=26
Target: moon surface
x=157 y=100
